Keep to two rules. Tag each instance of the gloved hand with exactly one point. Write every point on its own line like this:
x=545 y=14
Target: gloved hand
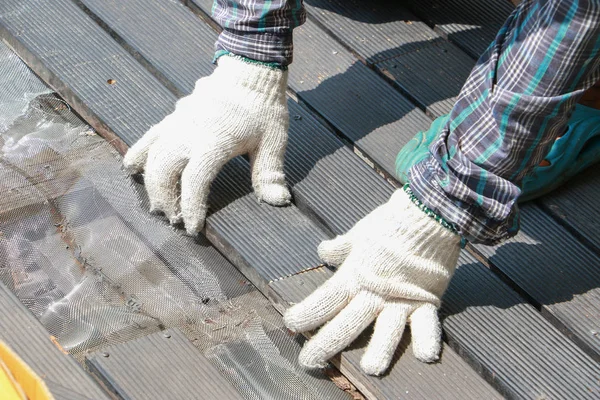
x=394 y=266
x=239 y=109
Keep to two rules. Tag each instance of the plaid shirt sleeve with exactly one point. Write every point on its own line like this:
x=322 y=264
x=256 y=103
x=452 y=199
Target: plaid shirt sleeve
x=515 y=103
x=258 y=29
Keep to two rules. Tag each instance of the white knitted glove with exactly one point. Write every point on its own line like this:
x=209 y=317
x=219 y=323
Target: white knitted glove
x=395 y=264
x=239 y=109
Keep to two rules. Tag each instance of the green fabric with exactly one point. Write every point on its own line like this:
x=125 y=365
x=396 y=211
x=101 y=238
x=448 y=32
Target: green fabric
x=275 y=66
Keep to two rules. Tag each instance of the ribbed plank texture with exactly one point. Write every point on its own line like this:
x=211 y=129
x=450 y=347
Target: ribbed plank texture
x=164 y=365
x=399 y=45
x=576 y=207
x=273 y=241
x=177 y=59
x=376 y=30
x=29 y=340
x=351 y=97
x=556 y=271
x=408 y=378
x=516 y=348
x=78 y=62
x=470 y=24
x=432 y=75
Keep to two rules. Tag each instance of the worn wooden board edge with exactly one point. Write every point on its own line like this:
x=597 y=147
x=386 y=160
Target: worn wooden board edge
x=574 y=204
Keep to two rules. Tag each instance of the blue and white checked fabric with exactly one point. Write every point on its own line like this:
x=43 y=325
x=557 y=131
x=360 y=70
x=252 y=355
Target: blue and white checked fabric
x=515 y=103
x=258 y=29
x=513 y=106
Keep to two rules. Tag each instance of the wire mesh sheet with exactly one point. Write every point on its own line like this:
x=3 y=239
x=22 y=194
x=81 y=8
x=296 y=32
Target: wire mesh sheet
x=79 y=249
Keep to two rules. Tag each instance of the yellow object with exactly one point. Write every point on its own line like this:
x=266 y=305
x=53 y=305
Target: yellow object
x=17 y=379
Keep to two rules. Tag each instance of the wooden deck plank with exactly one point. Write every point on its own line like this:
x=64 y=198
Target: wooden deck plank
x=163 y=365
x=470 y=24
x=240 y=251
x=407 y=49
x=575 y=206
x=556 y=272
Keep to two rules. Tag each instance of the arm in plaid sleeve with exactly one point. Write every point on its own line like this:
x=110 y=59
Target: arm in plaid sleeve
x=515 y=103
x=258 y=29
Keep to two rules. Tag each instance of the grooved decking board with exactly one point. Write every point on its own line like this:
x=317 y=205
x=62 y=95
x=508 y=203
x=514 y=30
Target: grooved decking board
x=163 y=365
x=138 y=28
x=352 y=98
x=514 y=347
x=470 y=24
x=557 y=272
x=222 y=222
x=362 y=27
x=399 y=45
x=29 y=340
x=576 y=207
x=409 y=378
x=433 y=84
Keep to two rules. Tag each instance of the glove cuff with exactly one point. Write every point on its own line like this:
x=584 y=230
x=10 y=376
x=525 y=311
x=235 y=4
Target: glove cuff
x=235 y=71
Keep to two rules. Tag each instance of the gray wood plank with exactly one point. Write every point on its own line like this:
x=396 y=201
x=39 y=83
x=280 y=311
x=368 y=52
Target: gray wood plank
x=470 y=24
x=164 y=365
x=556 y=272
x=394 y=42
x=525 y=356
x=29 y=339
x=575 y=206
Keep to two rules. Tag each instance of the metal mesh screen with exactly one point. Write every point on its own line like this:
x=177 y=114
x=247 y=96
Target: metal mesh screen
x=79 y=249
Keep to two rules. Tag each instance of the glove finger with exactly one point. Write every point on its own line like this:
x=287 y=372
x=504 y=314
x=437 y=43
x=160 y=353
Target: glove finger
x=266 y=163
x=341 y=330
x=426 y=333
x=320 y=306
x=334 y=252
x=135 y=158
x=386 y=336
x=201 y=170
x=163 y=170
